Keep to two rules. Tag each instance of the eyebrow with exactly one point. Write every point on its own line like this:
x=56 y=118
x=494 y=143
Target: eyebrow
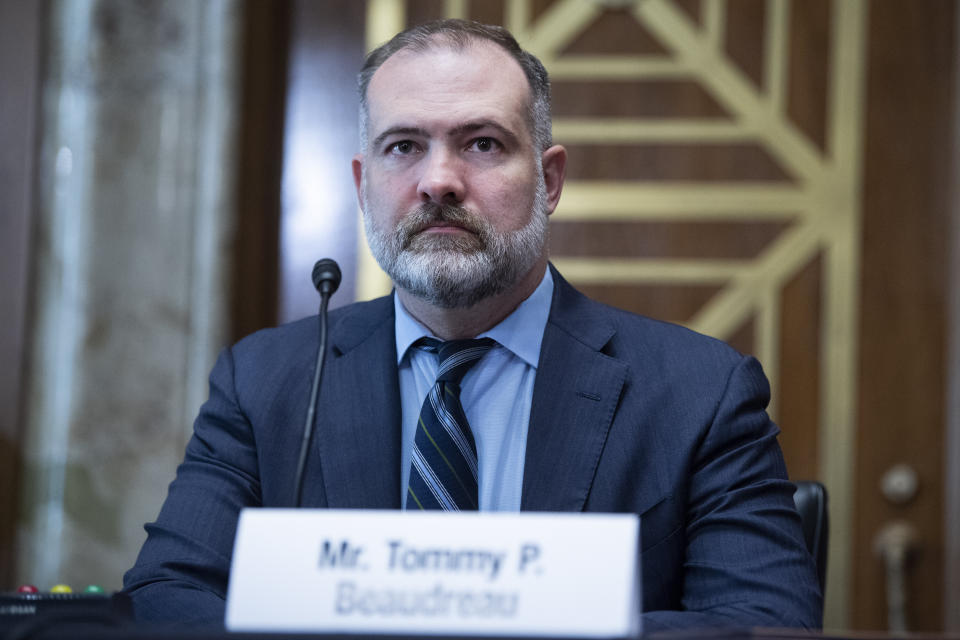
x=468 y=127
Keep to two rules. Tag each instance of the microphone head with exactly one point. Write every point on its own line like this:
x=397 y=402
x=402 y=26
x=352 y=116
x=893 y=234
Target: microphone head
x=326 y=276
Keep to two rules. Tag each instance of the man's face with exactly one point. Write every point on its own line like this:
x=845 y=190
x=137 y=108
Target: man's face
x=452 y=188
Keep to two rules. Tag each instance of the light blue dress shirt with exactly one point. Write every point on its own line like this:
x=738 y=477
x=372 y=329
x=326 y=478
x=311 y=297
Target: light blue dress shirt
x=496 y=394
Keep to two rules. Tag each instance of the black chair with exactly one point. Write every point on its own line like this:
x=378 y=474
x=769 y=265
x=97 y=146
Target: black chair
x=811 y=501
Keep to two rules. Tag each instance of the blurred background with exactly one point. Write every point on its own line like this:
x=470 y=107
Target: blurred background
x=778 y=173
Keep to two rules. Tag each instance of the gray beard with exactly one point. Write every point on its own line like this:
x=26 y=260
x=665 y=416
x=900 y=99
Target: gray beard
x=456 y=271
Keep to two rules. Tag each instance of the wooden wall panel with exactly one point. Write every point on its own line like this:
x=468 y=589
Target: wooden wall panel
x=744 y=37
x=714 y=240
x=656 y=98
x=423 y=10
x=615 y=31
x=671 y=302
x=319 y=213
x=487 y=12
x=951 y=595
x=20 y=49
x=662 y=162
x=256 y=247
x=904 y=296
x=798 y=401
x=809 y=56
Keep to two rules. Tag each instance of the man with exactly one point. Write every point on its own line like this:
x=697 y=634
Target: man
x=573 y=406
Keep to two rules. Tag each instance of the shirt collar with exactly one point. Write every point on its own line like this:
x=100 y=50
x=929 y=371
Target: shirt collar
x=521 y=332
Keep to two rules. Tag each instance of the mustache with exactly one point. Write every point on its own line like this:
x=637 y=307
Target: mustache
x=431 y=213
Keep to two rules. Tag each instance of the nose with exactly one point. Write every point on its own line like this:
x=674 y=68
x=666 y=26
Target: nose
x=442 y=178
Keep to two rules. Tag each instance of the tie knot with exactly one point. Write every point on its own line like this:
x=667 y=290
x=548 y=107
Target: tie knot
x=456 y=356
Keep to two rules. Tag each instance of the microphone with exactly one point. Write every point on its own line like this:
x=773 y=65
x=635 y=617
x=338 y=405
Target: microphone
x=326 y=279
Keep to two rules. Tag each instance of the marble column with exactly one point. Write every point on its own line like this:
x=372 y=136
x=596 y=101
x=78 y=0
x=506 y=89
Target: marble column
x=139 y=114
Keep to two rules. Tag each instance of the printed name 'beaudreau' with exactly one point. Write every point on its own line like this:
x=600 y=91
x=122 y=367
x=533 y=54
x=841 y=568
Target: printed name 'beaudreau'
x=433 y=602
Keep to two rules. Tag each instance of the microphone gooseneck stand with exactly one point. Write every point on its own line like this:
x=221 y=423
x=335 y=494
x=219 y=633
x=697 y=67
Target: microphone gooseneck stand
x=326 y=278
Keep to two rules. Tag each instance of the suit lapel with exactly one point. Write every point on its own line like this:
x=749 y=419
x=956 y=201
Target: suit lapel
x=359 y=425
x=575 y=397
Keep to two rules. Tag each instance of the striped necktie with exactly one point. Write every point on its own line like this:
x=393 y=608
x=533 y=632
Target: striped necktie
x=443 y=470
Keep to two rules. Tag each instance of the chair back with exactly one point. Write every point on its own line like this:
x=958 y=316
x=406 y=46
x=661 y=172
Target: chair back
x=811 y=501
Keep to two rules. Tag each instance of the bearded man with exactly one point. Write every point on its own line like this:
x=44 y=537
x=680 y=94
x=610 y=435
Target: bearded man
x=558 y=403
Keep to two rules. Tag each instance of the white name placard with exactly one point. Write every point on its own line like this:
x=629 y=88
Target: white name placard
x=435 y=573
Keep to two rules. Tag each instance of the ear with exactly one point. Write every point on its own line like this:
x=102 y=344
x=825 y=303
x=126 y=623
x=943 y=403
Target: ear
x=357 y=166
x=554 y=173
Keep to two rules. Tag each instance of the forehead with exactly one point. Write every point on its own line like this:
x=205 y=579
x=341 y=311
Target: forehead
x=443 y=83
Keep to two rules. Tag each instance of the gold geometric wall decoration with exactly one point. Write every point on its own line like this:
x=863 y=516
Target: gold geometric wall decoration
x=820 y=202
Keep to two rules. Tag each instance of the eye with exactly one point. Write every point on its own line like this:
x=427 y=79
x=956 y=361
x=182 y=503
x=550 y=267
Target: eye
x=485 y=145
x=402 y=148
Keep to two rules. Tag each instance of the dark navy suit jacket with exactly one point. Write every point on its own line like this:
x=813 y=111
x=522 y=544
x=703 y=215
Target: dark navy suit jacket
x=629 y=415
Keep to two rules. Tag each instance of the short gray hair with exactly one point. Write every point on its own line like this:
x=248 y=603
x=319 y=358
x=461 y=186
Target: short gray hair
x=459 y=34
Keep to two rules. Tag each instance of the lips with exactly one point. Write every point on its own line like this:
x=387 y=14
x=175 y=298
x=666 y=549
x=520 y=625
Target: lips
x=443 y=227
x=443 y=236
